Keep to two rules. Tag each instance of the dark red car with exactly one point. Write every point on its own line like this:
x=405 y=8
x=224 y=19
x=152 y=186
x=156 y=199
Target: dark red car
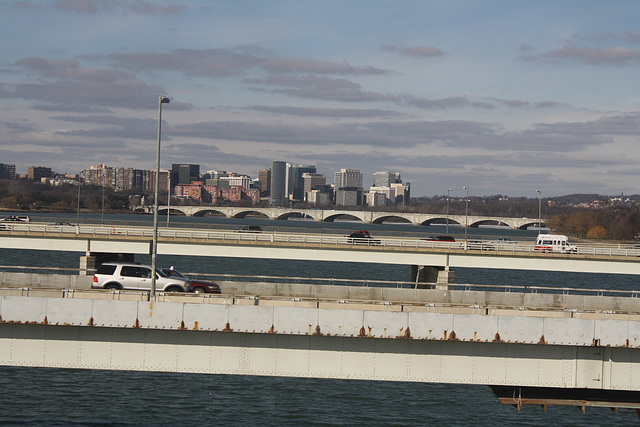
x=199 y=286
x=362 y=237
x=441 y=238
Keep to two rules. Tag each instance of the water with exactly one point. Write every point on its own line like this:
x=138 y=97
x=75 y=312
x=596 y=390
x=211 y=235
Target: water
x=62 y=397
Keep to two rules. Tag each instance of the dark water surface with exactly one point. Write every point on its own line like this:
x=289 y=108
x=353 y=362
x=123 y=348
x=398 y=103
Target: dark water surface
x=62 y=397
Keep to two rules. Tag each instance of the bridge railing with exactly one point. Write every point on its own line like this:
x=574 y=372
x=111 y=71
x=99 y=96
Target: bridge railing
x=622 y=250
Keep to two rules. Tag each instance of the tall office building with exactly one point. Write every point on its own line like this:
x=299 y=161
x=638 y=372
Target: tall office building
x=7 y=171
x=278 y=182
x=36 y=172
x=264 y=176
x=313 y=181
x=347 y=178
x=295 y=182
x=386 y=178
x=184 y=174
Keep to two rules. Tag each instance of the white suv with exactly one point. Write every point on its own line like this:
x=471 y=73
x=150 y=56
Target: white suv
x=118 y=275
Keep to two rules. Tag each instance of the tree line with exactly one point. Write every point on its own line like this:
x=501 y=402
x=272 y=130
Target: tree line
x=612 y=222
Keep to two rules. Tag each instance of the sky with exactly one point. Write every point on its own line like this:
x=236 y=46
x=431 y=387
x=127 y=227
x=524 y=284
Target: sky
x=503 y=97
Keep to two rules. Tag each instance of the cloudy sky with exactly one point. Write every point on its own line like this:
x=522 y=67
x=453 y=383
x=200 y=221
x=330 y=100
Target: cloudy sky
x=505 y=97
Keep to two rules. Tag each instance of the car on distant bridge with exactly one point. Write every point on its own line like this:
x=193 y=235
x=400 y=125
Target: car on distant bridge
x=250 y=229
x=441 y=239
x=362 y=237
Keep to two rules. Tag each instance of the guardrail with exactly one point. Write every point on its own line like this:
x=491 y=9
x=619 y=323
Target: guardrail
x=621 y=250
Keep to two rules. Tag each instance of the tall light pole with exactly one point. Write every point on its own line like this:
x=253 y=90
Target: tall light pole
x=168 y=201
x=78 y=216
x=154 y=245
x=104 y=178
x=466 y=214
x=448 y=193
x=539 y=210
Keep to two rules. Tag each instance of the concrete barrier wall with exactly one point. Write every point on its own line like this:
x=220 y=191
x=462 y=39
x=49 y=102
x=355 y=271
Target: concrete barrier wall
x=37 y=280
x=463 y=298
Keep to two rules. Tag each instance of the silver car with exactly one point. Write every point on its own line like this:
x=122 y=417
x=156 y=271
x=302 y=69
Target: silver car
x=118 y=275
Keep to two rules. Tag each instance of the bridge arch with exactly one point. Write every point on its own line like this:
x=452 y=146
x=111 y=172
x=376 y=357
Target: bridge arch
x=532 y=224
x=478 y=223
x=440 y=221
x=171 y=211
x=209 y=212
x=392 y=218
x=244 y=214
x=293 y=214
x=347 y=217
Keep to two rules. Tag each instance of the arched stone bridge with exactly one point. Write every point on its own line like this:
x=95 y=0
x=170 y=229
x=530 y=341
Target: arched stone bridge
x=367 y=217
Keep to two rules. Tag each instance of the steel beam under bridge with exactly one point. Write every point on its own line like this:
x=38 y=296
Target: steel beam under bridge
x=228 y=335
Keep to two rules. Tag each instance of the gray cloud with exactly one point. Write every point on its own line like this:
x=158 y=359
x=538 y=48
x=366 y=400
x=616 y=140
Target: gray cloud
x=538 y=105
x=305 y=81
x=220 y=63
x=21 y=126
x=118 y=127
x=541 y=138
x=421 y=51
x=595 y=56
x=326 y=112
x=111 y=6
x=67 y=85
x=133 y=93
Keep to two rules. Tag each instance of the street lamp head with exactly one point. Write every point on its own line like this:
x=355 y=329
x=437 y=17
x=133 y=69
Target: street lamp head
x=538 y=191
x=164 y=100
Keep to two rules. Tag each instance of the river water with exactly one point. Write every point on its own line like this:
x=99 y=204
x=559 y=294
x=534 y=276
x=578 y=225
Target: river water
x=61 y=397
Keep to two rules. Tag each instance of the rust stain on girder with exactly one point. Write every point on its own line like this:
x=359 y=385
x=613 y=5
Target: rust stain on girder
x=406 y=335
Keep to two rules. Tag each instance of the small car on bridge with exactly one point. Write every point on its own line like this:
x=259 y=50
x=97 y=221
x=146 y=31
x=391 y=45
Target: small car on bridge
x=198 y=286
x=362 y=237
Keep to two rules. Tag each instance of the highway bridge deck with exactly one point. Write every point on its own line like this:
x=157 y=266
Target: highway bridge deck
x=517 y=341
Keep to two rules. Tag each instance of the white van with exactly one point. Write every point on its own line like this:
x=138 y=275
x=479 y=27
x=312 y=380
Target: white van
x=554 y=243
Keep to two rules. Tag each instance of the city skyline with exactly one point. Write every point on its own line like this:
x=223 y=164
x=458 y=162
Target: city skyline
x=500 y=97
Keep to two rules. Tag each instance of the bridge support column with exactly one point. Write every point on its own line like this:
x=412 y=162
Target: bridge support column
x=90 y=262
x=429 y=276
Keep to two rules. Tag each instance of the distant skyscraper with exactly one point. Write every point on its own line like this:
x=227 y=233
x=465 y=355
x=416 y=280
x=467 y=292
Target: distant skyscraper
x=37 y=172
x=313 y=181
x=386 y=178
x=347 y=178
x=264 y=176
x=278 y=181
x=7 y=171
x=184 y=173
x=295 y=182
